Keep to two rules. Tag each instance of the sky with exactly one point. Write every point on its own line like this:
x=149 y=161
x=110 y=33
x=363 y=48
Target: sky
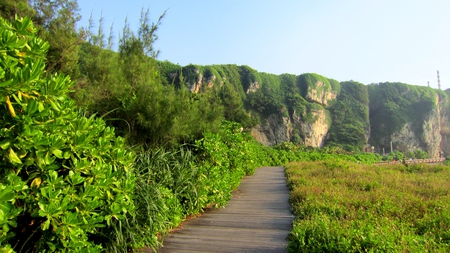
x=369 y=41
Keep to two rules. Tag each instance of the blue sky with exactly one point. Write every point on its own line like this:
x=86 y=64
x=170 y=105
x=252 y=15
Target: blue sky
x=366 y=41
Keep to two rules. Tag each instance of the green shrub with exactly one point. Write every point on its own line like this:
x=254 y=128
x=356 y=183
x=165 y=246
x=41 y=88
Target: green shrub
x=64 y=179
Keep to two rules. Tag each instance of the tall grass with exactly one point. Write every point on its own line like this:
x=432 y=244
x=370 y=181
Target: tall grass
x=346 y=207
x=165 y=193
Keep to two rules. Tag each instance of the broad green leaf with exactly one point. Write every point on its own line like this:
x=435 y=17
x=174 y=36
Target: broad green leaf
x=13 y=158
x=48 y=159
x=58 y=153
x=45 y=225
x=6 y=83
x=32 y=106
x=6 y=207
x=66 y=155
x=3 y=219
x=41 y=106
x=55 y=105
x=6 y=195
x=5 y=144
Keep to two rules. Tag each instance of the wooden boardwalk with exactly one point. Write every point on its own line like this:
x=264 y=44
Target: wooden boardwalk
x=256 y=219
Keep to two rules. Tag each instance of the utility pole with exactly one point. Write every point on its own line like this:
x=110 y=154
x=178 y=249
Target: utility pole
x=439 y=81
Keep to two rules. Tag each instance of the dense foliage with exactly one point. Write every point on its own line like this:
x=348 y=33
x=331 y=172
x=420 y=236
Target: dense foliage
x=314 y=83
x=345 y=207
x=127 y=89
x=64 y=178
x=395 y=104
x=55 y=21
x=350 y=114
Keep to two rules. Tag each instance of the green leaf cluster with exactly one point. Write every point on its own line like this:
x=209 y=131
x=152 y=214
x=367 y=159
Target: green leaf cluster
x=226 y=157
x=64 y=177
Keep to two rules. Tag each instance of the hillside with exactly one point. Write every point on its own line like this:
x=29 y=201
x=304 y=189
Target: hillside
x=317 y=111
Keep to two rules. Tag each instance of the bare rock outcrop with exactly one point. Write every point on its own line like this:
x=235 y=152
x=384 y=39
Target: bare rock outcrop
x=315 y=133
x=276 y=129
x=320 y=94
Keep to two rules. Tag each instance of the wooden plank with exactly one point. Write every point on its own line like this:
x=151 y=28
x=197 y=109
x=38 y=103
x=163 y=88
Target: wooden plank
x=256 y=219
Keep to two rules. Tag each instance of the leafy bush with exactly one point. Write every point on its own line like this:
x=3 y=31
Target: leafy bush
x=396 y=155
x=221 y=162
x=64 y=179
x=447 y=161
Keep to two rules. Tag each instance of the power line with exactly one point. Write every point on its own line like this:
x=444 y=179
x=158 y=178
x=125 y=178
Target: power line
x=439 y=81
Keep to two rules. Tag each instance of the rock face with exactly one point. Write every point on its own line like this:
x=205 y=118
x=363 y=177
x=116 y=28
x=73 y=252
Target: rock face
x=320 y=93
x=431 y=136
x=435 y=134
x=201 y=81
x=431 y=133
x=276 y=129
x=315 y=133
x=253 y=87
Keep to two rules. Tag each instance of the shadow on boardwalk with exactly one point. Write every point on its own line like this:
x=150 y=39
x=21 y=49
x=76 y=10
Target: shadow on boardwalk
x=256 y=219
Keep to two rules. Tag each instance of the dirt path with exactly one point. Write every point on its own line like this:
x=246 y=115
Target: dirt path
x=256 y=219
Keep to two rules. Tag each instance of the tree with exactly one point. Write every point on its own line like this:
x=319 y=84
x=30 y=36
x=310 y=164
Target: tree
x=128 y=90
x=233 y=105
x=10 y=8
x=56 y=23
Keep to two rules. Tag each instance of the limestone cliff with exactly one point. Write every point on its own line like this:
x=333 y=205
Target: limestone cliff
x=273 y=130
x=311 y=124
x=406 y=118
x=314 y=133
x=316 y=111
x=320 y=93
x=200 y=82
x=277 y=128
